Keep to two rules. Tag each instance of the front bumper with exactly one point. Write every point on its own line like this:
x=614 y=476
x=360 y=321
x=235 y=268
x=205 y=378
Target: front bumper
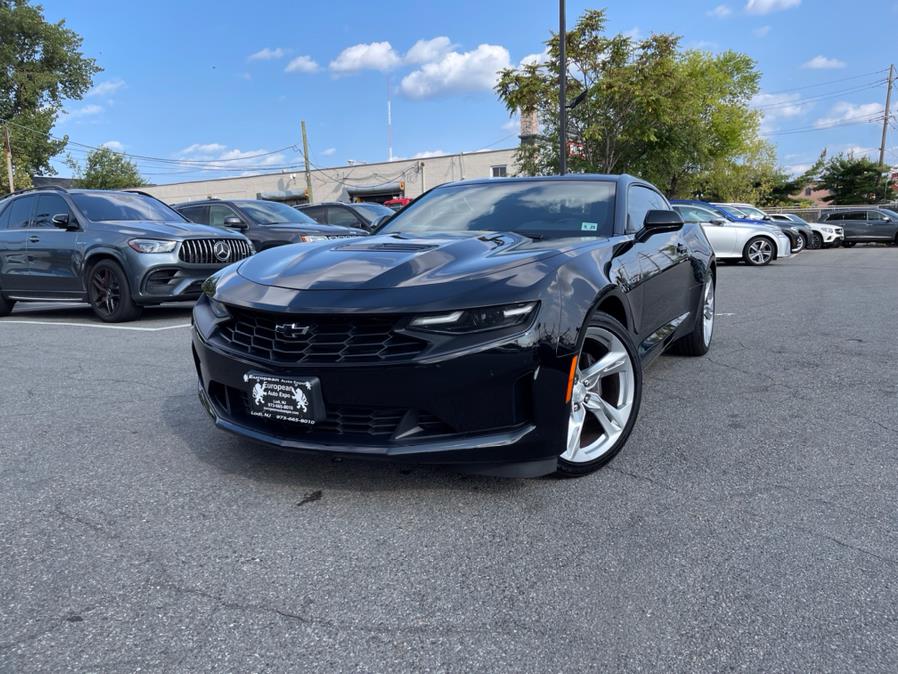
x=832 y=237
x=501 y=405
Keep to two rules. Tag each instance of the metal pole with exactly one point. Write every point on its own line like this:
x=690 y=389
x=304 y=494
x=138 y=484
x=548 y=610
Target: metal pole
x=885 y=119
x=305 y=153
x=562 y=90
x=8 y=148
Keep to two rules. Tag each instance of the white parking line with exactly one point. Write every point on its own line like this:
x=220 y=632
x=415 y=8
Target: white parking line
x=98 y=325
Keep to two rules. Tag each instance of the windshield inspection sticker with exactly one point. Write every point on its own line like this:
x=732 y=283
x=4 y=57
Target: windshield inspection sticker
x=589 y=226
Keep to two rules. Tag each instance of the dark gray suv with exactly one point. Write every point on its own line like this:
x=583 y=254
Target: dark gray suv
x=119 y=251
x=865 y=225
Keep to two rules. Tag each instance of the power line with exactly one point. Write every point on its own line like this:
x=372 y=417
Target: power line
x=823 y=84
x=864 y=120
x=821 y=97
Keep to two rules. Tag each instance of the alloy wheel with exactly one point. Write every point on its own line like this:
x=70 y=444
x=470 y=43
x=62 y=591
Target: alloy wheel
x=799 y=244
x=708 y=312
x=105 y=291
x=602 y=397
x=760 y=251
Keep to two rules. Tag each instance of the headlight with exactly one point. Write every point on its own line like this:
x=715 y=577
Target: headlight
x=152 y=245
x=311 y=238
x=828 y=230
x=476 y=320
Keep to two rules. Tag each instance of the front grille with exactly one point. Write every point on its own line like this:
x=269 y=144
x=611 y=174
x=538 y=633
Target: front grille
x=211 y=251
x=318 y=339
x=346 y=421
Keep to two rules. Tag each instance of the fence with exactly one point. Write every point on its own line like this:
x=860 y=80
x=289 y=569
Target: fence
x=813 y=214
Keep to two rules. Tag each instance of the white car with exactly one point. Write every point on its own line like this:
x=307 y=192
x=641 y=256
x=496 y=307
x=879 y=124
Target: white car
x=824 y=235
x=757 y=244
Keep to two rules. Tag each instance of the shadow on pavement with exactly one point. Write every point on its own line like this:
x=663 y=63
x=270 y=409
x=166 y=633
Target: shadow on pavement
x=83 y=313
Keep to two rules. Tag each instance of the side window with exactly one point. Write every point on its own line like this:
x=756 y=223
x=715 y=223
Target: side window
x=49 y=205
x=640 y=201
x=197 y=214
x=876 y=216
x=20 y=212
x=835 y=217
x=337 y=215
x=4 y=215
x=316 y=213
x=218 y=213
x=854 y=215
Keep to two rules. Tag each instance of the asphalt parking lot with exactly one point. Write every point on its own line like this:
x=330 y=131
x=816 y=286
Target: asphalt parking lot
x=751 y=522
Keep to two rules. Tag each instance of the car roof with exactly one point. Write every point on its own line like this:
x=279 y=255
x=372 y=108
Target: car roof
x=622 y=178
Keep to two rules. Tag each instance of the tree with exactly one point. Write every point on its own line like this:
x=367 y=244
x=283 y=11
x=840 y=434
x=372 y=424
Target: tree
x=647 y=107
x=41 y=65
x=853 y=180
x=106 y=170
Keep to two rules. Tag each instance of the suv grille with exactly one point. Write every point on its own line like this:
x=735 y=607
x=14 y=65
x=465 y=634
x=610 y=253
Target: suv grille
x=214 y=251
x=318 y=339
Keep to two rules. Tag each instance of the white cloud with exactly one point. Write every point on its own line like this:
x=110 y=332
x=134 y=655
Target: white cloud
x=268 y=54
x=538 y=58
x=703 y=45
x=795 y=170
x=329 y=152
x=372 y=56
x=114 y=145
x=821 y=62
x=776 y=106
x=302 y=64
x=428 y=153
x=475 y=70
x=768 y=6
x=720 y=12
x=105 y=88
x=425 y=51
x=90 y=110
x=844 y=111
x=761 y=31
x=217 y=155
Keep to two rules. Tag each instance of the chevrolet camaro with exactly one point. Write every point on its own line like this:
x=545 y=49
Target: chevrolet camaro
x=498 y=325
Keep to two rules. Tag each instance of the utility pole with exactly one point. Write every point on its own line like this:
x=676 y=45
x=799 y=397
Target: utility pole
x=8 y=149
x=885 y=119
x=562 y=89
x=305 y=154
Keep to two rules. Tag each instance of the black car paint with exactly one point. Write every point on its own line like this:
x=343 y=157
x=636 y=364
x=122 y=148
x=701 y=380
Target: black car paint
x=265 y=236
x=501 y=392
x=326 y=212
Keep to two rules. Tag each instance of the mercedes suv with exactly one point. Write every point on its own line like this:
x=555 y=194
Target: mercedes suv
x=119 y=251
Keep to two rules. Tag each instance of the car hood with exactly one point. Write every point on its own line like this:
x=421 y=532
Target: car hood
x=169 y=230
x=399 y=260
x=314 y=228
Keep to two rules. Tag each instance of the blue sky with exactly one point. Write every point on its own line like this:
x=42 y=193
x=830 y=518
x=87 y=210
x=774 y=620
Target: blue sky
x=225 y=80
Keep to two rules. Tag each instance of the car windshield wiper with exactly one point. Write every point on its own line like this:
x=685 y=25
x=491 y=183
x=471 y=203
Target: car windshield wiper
x=534 y=236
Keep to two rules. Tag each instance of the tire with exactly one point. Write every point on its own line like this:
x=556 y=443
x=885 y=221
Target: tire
x=603 y=407
x=109 y=294
x=816 y=241
x=6 y=306
x=698 y=342
x=759 y=251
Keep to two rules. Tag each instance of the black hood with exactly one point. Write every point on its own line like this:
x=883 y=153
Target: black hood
x=399 y=260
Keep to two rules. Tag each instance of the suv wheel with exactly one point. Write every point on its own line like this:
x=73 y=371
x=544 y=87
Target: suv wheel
x=816 y=241
x=6 y=306
x=109 y=294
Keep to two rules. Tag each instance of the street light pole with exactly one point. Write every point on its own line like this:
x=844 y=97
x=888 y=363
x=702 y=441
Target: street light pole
x=562 y=90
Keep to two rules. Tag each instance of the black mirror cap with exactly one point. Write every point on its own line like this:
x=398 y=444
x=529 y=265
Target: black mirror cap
x=717 y=221
x=235 y=223
x=63 y=221
x=659 y=221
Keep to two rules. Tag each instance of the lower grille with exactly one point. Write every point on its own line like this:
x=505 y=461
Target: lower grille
x=214 y=251
x=290 y=339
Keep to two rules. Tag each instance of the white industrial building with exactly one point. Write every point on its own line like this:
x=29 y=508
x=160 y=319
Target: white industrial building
x=358 y=182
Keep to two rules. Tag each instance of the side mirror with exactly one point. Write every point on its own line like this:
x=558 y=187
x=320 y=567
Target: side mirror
x=234 y=222
x=717 y=221
x=377 y=222
x=657 y=221
x=63 y=221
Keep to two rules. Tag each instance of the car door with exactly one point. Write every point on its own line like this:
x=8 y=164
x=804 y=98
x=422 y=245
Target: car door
x=879 y=226
x=15 y=221
x=665 y=271
x=54 y=258
x=345 y=217
x=854 y=223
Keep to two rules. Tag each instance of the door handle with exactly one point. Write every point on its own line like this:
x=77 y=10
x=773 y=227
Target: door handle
x=34 y=239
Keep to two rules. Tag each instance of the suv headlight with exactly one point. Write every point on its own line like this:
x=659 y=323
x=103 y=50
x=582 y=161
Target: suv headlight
x=153 y=245
x=476 y=320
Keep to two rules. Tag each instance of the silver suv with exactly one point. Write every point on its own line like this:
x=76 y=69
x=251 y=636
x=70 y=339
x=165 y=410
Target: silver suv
x=119 y=251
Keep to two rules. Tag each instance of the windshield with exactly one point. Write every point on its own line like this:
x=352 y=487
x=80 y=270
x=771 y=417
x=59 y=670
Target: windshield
x=796 y=218
x=273 y=212
x=892 y=214
x=372 y=212
x=111 y=206
x=549 y=208
x=755 y=213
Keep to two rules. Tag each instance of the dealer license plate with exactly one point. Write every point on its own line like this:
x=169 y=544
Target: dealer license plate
x=292 y=399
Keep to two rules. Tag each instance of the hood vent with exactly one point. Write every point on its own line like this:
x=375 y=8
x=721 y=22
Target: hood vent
x=388 y=247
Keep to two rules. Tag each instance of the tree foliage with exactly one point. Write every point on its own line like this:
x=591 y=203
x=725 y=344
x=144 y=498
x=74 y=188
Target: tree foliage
x=672 y=116
x=41 y=66
x=106 y=170
x=853 y=180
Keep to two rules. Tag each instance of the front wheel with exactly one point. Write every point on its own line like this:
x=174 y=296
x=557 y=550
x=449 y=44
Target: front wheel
x=800 y=244
x=816 y=241
x=758 y=251
x=605 y=397
x=109 y=293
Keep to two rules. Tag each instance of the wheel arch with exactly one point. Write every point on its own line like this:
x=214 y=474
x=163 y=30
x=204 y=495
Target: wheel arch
x=768 y=238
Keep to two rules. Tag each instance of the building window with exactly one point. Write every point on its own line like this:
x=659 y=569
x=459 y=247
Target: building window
x=499 y=171
x=807 y=191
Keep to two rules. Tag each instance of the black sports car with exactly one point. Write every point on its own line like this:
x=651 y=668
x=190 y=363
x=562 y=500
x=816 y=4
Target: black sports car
x=502 y=325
